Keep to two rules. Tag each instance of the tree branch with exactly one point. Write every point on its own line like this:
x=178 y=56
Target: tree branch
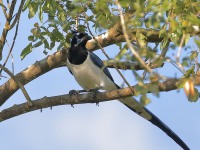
x=4 y=9
x=11 y=48
x=127 y=65
x=81 y=99
x=7 y=27
x=19 y=84
x=115 y=35
x=18 y=14
x=29 y=74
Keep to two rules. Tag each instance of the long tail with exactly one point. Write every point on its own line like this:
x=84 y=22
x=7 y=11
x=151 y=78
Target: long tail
x=134 y=105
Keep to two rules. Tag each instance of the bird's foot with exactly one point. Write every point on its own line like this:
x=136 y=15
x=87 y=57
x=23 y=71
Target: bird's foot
x=73 y=94
x=95 y=92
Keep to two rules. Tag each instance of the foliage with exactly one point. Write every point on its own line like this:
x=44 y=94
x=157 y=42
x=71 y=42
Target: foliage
x=177 y=21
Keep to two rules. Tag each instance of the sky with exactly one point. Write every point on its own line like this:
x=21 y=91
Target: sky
x=87 y=126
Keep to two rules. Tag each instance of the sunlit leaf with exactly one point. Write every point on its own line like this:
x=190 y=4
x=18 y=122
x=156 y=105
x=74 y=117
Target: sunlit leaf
x=144 y=100
x=189 y=72
x=40 y=13
x=26 y=5
x=193 y=97
x=33 y=7
x=194 y=55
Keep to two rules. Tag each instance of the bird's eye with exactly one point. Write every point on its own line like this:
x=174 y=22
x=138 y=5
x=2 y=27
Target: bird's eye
x=81 y=35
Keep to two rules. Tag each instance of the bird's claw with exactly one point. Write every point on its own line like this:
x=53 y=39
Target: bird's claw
x=94 y=91
x=73 y=93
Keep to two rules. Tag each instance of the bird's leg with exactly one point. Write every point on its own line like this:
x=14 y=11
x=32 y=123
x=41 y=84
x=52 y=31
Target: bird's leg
x=95 y=91
x=76 y=92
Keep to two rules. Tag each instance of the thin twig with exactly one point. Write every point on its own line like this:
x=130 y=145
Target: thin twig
x=179 y=53
x=13 y=43
x=159 y=60
x=164 y=50
x=18 y=14
x=6 y=27
x=13 y=69
x=137 y=56
x=76 y=20
x=29 y=101
x=8 y=3
x=4 y=9
x=173 y=63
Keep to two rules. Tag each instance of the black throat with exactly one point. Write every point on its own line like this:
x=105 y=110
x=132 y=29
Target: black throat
x=77 y=54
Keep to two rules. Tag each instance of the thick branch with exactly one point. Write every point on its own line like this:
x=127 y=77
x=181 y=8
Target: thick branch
x=115 y=35
x=127 y=65
x=29 y=74
x=19 y=84
x=80 y=99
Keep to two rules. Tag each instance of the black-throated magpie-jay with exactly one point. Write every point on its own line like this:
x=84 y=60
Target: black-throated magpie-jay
x=90 y=72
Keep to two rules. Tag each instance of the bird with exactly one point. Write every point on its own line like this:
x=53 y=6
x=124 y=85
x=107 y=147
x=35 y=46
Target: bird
x=90 y=73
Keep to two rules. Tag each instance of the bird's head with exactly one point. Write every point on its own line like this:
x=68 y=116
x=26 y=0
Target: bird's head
x=80 y=39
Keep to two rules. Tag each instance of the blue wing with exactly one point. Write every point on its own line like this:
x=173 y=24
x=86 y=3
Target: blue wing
x=98 y=62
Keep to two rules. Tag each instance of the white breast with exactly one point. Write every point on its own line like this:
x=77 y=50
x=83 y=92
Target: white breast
x=90 y=76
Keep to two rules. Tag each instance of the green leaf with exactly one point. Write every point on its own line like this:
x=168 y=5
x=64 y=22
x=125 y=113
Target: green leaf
x=181 y=82
x=26 y=51
x=144 y=100
x=90 y=18
x=185 y=61
x=37 y=44
x=60 y=46
x=41 y=13
x=26 y=5
x=141 y=89
x=195 y=97
x=46 y=44
x=189 y=72
x=164 y=43
x=31 y=38
x=141 y=39
x=33 y=7
x=58 y=35
x=187 y=37
x=45 y=52
x=52 y=44
x=193 y=55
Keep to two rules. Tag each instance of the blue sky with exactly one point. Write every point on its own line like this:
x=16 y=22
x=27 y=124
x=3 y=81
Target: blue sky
x=86 y=126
